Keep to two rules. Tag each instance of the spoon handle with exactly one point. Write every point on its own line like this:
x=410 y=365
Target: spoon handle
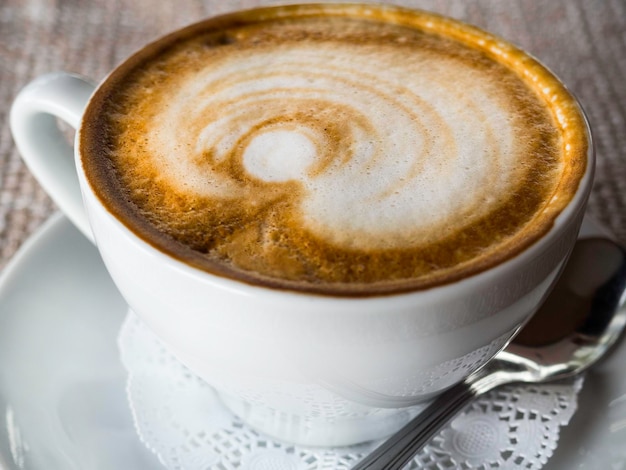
x=402 y=446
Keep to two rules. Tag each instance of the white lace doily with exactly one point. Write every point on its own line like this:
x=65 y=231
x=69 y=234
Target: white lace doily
x=180 y=418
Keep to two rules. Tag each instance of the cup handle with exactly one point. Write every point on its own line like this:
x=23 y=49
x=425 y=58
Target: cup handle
x=43 y=147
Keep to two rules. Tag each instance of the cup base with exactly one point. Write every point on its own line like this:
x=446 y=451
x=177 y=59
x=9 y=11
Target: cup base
x=319 y=432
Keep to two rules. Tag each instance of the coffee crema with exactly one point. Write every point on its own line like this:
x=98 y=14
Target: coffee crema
x=336 y=149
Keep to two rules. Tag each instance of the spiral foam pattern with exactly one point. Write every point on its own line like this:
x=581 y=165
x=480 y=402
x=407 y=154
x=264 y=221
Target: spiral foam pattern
x=324 y=150
x=384 y=155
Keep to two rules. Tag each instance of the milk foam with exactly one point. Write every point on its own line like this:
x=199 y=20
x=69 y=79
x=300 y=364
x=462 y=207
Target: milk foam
x=427 y=142
x=334 y=153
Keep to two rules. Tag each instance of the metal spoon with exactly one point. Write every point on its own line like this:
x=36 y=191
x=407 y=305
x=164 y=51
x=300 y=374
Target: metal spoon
x=579 y=322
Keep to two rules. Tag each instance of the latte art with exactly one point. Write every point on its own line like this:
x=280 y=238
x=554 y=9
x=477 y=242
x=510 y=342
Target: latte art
x=335 y=154
x=360 y=137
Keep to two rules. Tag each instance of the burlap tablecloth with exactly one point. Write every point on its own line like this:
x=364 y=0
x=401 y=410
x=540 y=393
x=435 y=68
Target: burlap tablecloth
x=582 y=41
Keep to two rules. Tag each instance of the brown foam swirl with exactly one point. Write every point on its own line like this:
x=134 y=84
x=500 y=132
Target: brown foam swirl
x=406 y=156
x=348 y=152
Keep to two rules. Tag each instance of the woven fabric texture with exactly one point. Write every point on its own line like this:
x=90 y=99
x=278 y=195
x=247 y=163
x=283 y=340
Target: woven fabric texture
x=583 y=42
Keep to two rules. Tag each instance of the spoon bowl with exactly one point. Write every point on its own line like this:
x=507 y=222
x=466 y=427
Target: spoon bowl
x=579 y=322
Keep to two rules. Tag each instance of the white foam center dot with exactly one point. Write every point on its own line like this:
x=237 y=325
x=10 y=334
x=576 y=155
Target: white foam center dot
x=279 y=155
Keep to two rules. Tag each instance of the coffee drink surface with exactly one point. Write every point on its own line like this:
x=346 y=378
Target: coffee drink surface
x=342 y=150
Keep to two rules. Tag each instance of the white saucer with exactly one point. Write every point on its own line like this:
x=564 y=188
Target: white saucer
x=62 y=386
x=63 y=404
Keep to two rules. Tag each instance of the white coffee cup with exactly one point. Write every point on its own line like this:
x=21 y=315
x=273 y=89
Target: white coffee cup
x=306 y=368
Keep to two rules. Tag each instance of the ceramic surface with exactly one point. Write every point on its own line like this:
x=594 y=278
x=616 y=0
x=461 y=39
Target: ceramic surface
x=62 y=397
x=374 y=354
x=62 y=386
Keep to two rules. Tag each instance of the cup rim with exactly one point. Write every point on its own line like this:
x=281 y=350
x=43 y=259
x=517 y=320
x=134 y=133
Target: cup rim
x=495 y=267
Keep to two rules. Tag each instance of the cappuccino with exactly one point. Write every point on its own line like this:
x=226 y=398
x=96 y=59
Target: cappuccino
x=335 y=149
